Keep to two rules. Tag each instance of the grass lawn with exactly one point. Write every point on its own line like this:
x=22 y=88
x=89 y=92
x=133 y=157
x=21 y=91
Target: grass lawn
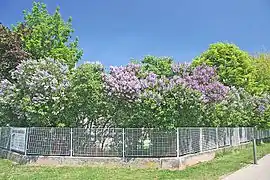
x=221 y=165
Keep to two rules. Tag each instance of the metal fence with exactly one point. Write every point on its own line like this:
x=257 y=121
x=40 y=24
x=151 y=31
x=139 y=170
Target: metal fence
x=119 y=142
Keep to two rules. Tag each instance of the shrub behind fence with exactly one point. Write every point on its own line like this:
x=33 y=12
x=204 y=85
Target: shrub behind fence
x=119 y=142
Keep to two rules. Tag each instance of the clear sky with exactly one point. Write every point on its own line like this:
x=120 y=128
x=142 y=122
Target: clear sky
x=114 y=31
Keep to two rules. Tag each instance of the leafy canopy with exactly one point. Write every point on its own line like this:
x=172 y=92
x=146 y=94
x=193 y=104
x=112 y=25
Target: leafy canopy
x=11 y=52
x=38 y=89
x=49 y=36
x=262 y=72
x=85 y=95
x=160 y=101
x=157 y=65
x=35 y=99
x=234 y=66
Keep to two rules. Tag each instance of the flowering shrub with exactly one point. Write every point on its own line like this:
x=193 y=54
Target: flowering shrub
x=224 y=86
x=204 y=79
x=124 y=82
x=35 y=98
x=148 y=96
x=46 y=93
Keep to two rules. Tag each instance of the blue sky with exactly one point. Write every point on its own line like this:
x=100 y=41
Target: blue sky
x=114 y=31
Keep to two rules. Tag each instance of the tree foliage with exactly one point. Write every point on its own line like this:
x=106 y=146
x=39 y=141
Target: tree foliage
x=49 y=36
x=262 y=72
x=11 y=52
x=39 y=85
x=160 y=101
x=35 y=98
x=234 y=66
x=157 y=65
x=86 y=105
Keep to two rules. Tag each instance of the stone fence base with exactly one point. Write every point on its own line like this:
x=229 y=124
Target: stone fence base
x=172 y=163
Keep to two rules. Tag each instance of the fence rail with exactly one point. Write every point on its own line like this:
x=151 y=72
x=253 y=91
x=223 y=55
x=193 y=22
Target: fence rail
x=118 y=142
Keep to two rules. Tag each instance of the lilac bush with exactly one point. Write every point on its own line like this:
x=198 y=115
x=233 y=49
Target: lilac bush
x=124 y=82
x=181 y=69
x=236 y=110
x=36 y=94
x=149 y=92
x=261 y=111
x=46 y=93
x=204 y=79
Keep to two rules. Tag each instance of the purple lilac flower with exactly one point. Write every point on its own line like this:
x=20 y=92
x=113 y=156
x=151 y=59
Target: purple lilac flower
x=123 y=82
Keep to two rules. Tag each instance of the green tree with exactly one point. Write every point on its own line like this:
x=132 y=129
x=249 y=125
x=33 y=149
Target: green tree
x=157 y=65
x=86 y=103
x=262 y=72
x=11 y=52
x=48 y=35
x=234 y=66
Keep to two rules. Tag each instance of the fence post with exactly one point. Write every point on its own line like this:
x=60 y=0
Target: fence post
x=238 y=136
x=10 y=136
x=51 y=129
x=71 y=142
x=231 y=135
x=177 y=143
x=26 y=141
x=123 y=146
x=201 y=139
x=217 y=140
x=254 y=146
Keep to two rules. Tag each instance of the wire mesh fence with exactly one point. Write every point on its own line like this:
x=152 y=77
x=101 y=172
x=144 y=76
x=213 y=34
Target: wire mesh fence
x=245 y=134
x=209 y=138
x=189 y=140
x=119 y=142
x=261 y=134
x=48 y=141
x=223 y=137
x=97 y=142
x=5 y=137
x=150 y=142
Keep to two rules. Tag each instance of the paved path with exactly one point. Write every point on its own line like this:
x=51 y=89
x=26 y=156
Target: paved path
x=253 y=172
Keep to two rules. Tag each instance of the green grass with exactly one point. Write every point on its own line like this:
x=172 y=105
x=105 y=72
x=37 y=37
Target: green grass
x=223 y=164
